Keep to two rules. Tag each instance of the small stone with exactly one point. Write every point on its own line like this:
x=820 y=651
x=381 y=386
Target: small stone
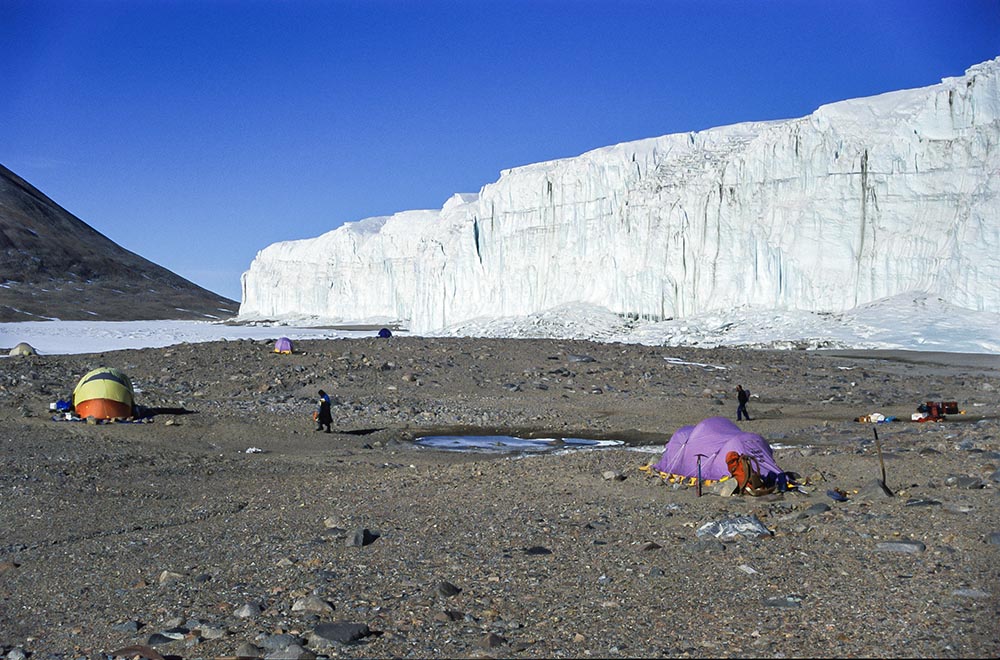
x=920 y=501
x=362 y=537
x=248 y=650
x=706 y=546
x=993 y=538
x=537 y=550
x=167 y=577
x=447 y=589
x=613 y=475
x=784 y=602
x=312 y=604
x=247 y=611
x=130 y=627
x=278 y=642
x=492 y=641
x=725 y=488
x=650 y=545
x=971 y=593
x=212 y=632
x=159 y=639
x=969 y=483
x=291 y=652
x=17 y=653
x=815 y=509
x=341 y=632
x=902 y=545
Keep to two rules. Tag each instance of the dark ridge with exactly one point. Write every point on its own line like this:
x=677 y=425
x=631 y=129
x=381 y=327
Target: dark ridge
x=55 y=266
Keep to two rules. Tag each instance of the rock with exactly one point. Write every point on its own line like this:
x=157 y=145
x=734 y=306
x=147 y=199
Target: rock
x=159 y=639
x=537 y=550
x=650 y=545
x=130 y=627
x=312 y=604
x=706 y=546
x=725 y=488
x=786 y=602
x=814 y=510
x=248 y=650
x=17 y=653
x=341 y=632
x=212 y=632
x=167 y=577
x=447 y=589
x=278 y=642
x=613 y=475
x=492 y=641
x=971 y=593
x=22 y=349
x=993 y=538
x=137 y=651
x=919 y=501
x=291 y=652
x=969 y=483
x=902 y=545
x=247 y=611
x=362 y=537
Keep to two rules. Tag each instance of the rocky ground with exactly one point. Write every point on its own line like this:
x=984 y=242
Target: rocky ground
x=169 y=539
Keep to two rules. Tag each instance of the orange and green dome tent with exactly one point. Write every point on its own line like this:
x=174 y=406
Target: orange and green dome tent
x=104 y=393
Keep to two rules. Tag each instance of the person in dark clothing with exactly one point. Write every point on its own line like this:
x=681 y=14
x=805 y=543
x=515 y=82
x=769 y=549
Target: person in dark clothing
x=323 y=416
x=742 y=396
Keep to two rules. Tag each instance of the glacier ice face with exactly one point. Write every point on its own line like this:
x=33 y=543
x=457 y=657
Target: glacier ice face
x=861 y=200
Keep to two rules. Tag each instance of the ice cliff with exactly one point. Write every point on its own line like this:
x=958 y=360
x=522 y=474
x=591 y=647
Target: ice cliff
x=863 y=199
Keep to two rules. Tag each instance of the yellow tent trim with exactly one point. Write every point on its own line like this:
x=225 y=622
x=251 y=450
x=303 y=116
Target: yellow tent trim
x=681 y=478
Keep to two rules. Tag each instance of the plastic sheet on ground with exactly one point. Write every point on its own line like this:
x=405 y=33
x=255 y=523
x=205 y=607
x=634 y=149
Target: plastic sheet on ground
x=730 y=528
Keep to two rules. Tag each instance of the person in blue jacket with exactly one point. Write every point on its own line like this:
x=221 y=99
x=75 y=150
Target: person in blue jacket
x=323 y=416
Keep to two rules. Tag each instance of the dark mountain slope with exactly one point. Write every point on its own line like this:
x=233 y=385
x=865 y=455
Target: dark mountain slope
x=54 y=265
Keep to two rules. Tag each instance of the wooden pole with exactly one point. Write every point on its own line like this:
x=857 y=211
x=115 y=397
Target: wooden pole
x=878 y=448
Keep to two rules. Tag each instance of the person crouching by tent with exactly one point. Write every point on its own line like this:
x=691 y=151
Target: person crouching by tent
x=742 y=396
x=323 y=416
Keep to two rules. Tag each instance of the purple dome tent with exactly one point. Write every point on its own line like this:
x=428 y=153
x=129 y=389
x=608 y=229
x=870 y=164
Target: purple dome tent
x=283 y=345
x=714 y=438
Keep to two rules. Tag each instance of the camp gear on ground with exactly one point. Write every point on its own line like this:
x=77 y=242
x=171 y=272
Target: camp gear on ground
x=745 y=469
x=385 y=333
x=104 y=394
x=283 y=345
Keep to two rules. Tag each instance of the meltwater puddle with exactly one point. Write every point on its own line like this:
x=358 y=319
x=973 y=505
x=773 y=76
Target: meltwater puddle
x=507 y=444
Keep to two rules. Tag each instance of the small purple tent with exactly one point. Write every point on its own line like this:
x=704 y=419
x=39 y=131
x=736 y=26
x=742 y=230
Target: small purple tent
x=714 y=438
x=283 y=345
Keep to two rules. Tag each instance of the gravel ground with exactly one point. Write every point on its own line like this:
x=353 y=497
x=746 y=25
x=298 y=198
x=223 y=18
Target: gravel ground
x=170 y=538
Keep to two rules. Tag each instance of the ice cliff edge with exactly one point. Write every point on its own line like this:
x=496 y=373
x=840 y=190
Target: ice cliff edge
x=861 y=200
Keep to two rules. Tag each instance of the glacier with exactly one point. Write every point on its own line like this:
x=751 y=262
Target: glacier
x=859 y=201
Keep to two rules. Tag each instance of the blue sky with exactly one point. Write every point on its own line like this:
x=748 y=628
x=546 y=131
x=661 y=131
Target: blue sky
x=197 y=133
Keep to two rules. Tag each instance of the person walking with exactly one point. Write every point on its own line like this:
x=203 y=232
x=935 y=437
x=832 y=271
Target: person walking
x=323 y=416
x=742 y=396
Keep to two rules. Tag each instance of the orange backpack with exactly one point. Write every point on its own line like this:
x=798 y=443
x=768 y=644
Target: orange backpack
x=746 y=470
